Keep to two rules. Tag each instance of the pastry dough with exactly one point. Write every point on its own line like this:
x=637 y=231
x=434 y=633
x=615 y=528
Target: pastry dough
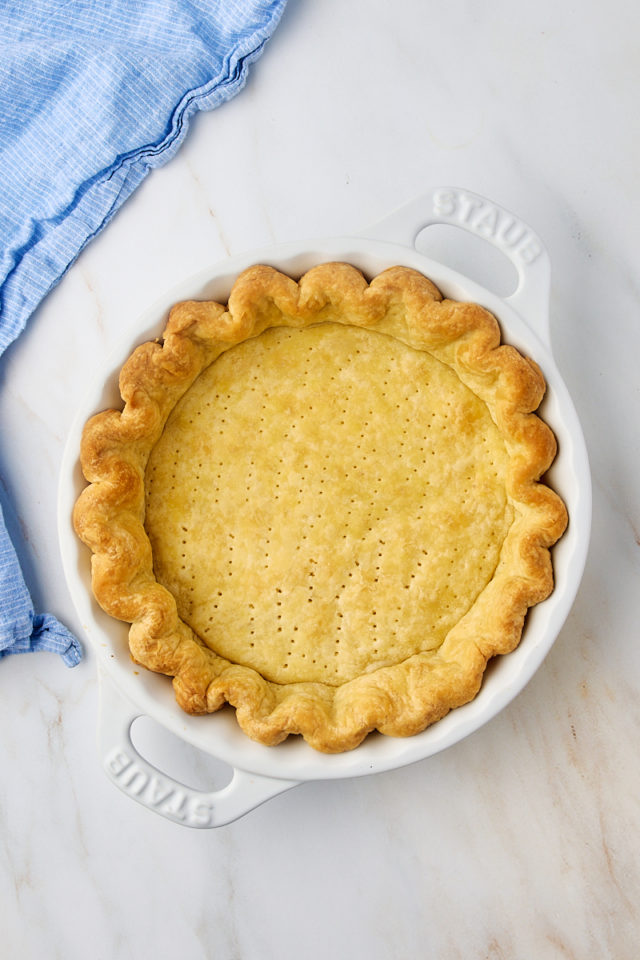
x=322 y=504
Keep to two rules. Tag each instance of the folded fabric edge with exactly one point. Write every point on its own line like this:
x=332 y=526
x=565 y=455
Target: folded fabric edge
x=47 y=635
x=21 y=629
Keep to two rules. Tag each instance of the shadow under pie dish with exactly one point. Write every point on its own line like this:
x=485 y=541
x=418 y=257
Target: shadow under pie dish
x=322 y=504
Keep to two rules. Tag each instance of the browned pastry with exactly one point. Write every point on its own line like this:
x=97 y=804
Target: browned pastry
x=322 y=504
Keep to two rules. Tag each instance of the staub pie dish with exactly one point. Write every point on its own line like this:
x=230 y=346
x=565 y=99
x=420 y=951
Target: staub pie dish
x=321 y=503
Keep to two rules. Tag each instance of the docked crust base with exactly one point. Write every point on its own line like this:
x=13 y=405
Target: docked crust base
x=397 y=697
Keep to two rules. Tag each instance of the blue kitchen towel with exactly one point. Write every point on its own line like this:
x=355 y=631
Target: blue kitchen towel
x=22 y=630
x=93 y=95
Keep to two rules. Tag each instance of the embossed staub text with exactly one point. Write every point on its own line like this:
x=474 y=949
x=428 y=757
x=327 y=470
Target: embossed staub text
x=155 y=791
x=487 y=220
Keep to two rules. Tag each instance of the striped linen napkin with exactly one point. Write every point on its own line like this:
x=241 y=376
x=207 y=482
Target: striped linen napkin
x=93 y=95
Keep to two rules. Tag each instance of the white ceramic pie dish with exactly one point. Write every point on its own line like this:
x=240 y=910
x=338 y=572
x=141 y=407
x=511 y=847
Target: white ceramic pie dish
x=260 y=772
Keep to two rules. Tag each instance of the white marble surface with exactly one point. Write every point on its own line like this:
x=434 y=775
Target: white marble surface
x=519 y=842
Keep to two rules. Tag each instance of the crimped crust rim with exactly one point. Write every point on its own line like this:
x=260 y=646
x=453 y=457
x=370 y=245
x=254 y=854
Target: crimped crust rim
x=399 y=700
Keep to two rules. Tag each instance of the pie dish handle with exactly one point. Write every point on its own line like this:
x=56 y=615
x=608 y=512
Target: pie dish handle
x=485 y=219
x=157 y=791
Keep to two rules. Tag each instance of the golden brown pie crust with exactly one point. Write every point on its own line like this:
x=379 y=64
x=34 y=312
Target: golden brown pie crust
x=322 y=504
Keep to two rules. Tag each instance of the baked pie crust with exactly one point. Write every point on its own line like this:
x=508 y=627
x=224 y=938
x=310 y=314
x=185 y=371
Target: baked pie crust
x=322 y=504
